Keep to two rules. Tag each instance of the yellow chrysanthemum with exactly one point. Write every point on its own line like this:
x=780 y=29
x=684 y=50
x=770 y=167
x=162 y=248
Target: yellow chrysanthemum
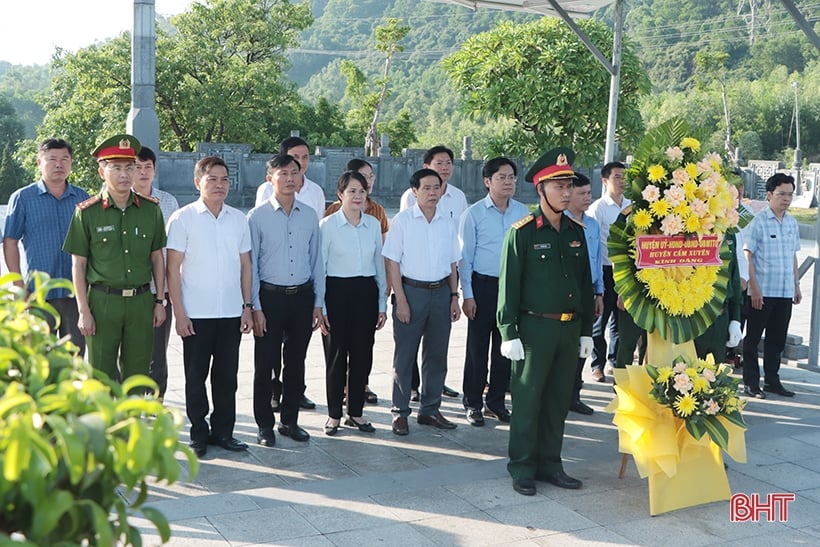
x=659 y=208
x=699 y=384
x=656 y=173
x=682 y=209
x=642 y=219
x=692 y=224
x=664 y=375
x=691 y=188
x=692 y=169
x=682 y=290
x=690 y=143
x=685 y=405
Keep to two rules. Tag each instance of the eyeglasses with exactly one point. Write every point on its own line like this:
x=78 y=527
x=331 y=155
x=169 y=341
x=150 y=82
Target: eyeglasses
x=784 y=194
x=117 y=169
x=505 y=178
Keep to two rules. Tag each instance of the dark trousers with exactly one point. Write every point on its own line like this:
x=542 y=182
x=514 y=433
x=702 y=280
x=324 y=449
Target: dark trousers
x=352 y=310
x=630 y=336
x=483 y=338
x=69 y=318
x=158 y=370
x=608 y=320
x=215 y=349
x=713 y=340
x=289 y=319
x=774 y=319
x=430 y=320
x=541 y=392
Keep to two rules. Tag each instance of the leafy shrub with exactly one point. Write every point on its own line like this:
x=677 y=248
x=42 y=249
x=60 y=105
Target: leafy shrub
x=74 y=445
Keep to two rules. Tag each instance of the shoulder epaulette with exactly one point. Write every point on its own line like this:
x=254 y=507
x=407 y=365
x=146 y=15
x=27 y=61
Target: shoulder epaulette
x=518 y=224
x=576 y=221
x=627 y=210
x=89 y=202
x=149 y=198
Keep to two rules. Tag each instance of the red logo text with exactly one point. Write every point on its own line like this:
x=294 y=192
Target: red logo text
x=773 y=508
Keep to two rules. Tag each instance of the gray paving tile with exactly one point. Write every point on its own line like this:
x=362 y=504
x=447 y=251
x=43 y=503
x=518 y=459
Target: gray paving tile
x=786 y=476
x=542 y=516
x=263 y=526
x=421 y=504
x=669 y=530
x=184 y=533
x=489 y=493
x=391 y=534
x=346 y=515
x=476 y=528
x=588 y=536
x=203 y=506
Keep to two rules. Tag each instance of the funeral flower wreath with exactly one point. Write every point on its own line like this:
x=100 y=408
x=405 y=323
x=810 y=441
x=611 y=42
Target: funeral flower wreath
x=676 y=191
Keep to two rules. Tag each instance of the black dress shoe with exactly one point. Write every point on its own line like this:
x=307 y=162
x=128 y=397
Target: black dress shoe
x=581 y=408
x=400 y=426
x=475 y=417
x=754 y=392
x=294 y=432
x=414 y=395
x=266 y=437
x=502 y=414
x=199 y=448
x=436 y=420
x=364 y=427
x=331 y=429
x=561 y=480
x=449 y=392
x=306 y=403
x=228 y=443
x=525 y=487
x=778 y=389
x=370 y=397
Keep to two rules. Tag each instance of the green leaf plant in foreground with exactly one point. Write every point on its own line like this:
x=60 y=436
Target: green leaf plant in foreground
x=76 y=448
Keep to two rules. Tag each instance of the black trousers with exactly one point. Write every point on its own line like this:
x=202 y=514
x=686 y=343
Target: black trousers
x=215 y=349
x=289 y=319
x=483 y=338
x=774 y=319
x=352 y=309
x=607 y=320
x=158 y=370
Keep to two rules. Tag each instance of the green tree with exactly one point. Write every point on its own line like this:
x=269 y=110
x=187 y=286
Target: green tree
x=388 y=38
x=11 y=130
x=219 y=78
x=712 y=67
x=12 y=176
x=540 y=76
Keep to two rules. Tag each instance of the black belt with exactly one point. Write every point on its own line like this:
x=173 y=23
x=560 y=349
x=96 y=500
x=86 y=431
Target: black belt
x=293 y=289
x=485 y=277
x=567 y=316
x=425 y=284
x=121 y=292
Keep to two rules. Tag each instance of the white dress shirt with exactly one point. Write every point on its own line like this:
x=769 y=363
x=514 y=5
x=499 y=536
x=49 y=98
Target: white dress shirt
x=452 y=204
x=211 y=268
x=425 y=251
x=606 y=211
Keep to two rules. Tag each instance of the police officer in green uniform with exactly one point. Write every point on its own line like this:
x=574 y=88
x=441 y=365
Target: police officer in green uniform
x=545 y=314
x=116 y=240
x=725 y=330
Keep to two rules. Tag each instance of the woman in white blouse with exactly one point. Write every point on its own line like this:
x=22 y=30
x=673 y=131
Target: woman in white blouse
x=355 y=301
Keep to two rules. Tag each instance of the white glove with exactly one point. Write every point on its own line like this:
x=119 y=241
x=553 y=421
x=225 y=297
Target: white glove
x=585 y=347
x=734 y=334
x=513 y=350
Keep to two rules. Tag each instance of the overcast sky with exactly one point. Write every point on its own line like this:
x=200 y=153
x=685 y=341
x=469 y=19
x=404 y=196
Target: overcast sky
x=31 y=29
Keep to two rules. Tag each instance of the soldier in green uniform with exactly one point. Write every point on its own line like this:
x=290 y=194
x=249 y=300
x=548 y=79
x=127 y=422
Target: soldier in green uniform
x=116 y=240
x=545 y=314
x=725 y=330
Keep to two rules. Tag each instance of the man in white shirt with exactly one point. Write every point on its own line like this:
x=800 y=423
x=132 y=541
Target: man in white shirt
x=422 y=251
x=308 y=192
x=452 y=204
x=209 y=280
x=605 y=210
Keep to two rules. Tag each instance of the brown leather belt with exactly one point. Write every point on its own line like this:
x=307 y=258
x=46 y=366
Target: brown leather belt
x=425 y=284
x=293 y=289
x=483 y=277
x=567 y=316
x=121 y=292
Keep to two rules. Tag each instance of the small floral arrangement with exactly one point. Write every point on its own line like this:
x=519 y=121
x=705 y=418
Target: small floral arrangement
x=701 y=394
x=676 y=190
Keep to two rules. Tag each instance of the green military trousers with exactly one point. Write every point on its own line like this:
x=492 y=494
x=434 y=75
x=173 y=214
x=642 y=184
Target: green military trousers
x=541 y=386
x=714 y=339
x=125 y=331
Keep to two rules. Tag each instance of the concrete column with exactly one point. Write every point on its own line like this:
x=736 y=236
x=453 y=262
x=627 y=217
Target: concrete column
x=143 y=122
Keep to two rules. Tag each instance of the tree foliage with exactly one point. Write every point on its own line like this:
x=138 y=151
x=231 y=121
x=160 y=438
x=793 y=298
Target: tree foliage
x=540 y=76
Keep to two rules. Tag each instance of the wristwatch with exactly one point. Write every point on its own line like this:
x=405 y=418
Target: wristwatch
x=248 y=305
x=160 y=301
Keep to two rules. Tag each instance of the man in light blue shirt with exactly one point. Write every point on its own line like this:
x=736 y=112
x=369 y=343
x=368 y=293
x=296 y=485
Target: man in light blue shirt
x=771 y=245
x=39 y=215
x=578 y=204
x=481 y=234
x=288 y=291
